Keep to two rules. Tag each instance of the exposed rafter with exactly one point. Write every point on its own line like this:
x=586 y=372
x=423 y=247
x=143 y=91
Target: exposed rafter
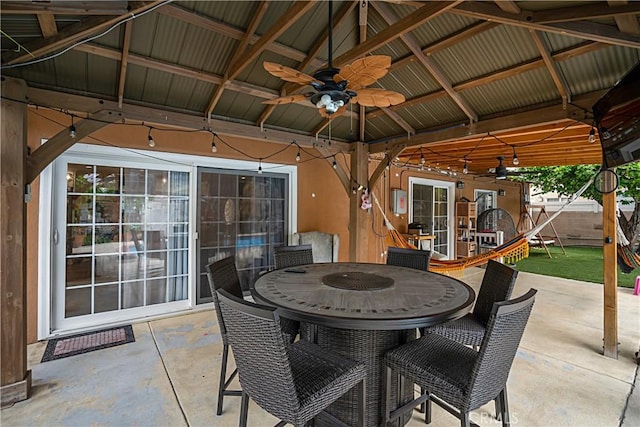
x=558 y=80
x=626 y=23
x=92 y=7
x=581 y=29
x=126 y=43
x=244 y=42
x=428 y=63
x=47 y=25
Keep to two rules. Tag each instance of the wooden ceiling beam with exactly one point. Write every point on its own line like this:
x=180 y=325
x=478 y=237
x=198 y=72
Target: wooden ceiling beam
x=126 y=43
x=47 y=24
x=626 y=23
x=72 y=33
x=428 y=11
x=261 y=9
x=430 y=65
x=291 y=16
x=533 y=117
x=447 y=42
x=166 y=118
x=581 y=29
x=65 y=7
x=597 y=10
x=558 y=80
x=308 y=61
x=508 y=6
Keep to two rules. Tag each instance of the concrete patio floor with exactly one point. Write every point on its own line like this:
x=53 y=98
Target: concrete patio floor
x=169 y=375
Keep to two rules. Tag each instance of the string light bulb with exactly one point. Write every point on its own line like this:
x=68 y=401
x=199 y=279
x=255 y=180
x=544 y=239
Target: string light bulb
x=298 y=156
x=335 y=164
x=592 y=135
x=260 y=168
x=465 y=168
x=515 y=160
x=214 y=148
x=72 y=129
x=422 y=159
x=152 y=143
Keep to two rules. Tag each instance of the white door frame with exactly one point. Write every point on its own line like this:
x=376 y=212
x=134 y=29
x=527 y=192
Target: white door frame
x=450 y=187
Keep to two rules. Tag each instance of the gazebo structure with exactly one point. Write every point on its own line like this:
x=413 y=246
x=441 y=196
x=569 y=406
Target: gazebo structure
x=116 y=111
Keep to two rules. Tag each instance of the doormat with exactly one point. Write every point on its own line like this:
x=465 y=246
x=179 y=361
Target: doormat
x=89 y=341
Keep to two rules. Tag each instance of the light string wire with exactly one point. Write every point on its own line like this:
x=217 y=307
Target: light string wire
x=78 y=43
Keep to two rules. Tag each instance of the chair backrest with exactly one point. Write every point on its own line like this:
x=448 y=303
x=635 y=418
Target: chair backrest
x=260 y=354
x=498 y=349
x=223 y=274
x=290 y=256
x=324 y=245
x=497 y=284
x=411 y=258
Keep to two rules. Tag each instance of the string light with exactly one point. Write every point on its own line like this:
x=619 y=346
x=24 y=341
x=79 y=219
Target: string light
x=605 y=133
x=515 y=161
x=72 y=129
x=260 y=167
x=298 y=156
x=152 y=143
x=592 y=135
x=465 y=168
x=214 y=148
x=335 y=164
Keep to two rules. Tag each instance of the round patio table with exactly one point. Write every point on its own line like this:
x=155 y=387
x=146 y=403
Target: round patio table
x=362 y=311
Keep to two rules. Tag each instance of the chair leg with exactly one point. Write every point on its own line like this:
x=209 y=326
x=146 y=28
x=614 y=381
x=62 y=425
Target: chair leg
x=386 y=409
x=427 y=409
x=223 y=377
x=498 y=408
x=504 y=407
x=244 y=409
x=423 y=405
x=362 y=392
x=464 y=419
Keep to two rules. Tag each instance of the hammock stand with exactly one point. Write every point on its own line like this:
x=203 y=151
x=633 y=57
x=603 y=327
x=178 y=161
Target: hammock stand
x=628 y=260
x=512 y=251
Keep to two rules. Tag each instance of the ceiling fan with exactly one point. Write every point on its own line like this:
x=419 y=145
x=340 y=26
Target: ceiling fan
x=334 y=87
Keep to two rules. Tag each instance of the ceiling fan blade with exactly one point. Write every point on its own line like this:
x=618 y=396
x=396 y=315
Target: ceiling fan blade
x=287 y=99
x=364 y=71
x=287 y=74
x=371 y=97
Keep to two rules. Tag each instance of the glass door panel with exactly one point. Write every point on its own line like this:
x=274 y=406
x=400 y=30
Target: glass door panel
x=431 y=205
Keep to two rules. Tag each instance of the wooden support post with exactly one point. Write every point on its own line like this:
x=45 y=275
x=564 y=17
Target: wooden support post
x=359 y=219
x=15 y=381
x=610 y=272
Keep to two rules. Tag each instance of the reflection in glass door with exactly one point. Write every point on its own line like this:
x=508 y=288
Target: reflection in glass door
x=126 y=241
x=430 y=205
x=240 y=213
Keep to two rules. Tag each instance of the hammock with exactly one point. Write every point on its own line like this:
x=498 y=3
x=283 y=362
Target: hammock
x=512 y=251
x=628 y=260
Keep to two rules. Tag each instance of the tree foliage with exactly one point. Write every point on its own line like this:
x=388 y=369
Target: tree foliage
x=567 y=180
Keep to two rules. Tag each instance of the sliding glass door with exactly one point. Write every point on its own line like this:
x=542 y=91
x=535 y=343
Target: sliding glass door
x=431 y=204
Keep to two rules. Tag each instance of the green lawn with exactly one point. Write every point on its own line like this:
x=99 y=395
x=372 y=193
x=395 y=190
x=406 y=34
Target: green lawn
x=579 y=263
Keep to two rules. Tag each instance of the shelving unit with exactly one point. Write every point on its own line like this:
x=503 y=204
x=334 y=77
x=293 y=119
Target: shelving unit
x=466 y=213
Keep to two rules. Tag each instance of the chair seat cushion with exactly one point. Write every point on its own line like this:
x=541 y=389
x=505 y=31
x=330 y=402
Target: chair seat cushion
x=321 y=376
x=437 y=364
x=466 y=330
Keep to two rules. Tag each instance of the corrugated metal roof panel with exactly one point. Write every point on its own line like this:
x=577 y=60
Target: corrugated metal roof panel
x=210 y=52
x=303 y=33
x=239 y=106
x=71 y=71
x=380 y=127
x=441 y=27
x=275 y=10
x=530 y=88
x=102 y=75
x=412 y=80
x=556 y=42
x=295 y=117
x=432 y=113
x=181 y=95
x=396 y=48
x=598 y=70
x=21 y=28
x=200 y=96
x=143 y=34
x=230 y=12
x=489 y=51
x=134 y=83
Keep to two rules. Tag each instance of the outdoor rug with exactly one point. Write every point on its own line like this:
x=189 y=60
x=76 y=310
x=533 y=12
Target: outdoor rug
x=86 y=342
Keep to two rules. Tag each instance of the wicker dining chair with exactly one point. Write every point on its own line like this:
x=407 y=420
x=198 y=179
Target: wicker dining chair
x=294 y=383
x=291 y=256
x=497 y=284
x=411 y=258
x=223 y=274
x=455 y=376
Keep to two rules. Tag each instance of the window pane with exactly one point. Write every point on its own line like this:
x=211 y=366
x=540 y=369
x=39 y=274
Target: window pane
x=79 y=209
x=105 y=298
x=78 y=271
x=156 y=291
x=228 y=185
x=133 y=181
x=179 y=211
x=179 y=184
x=107 y=268
x=107 y=180
x=107 y=239
x=80 y=177
x=79 y=240
x=158 y=182
x=77 y=302
x=157 y=209
x=132 y=294
x=108 y=209
x=133 y=209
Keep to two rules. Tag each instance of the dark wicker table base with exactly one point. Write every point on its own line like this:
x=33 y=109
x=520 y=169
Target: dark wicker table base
x=368 y=347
